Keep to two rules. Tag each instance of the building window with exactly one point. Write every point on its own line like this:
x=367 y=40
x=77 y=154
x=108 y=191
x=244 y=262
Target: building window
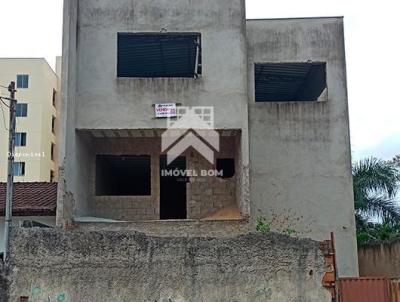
x=22 y=81
x=226 y=166
x=159 y=55
x=52 y=176
x=54 y=97
x=52 y=151
x=53 y=124
x=21 y=110
x=19 y=168
x=285 y=82
x=20 y=139
x=123 y=175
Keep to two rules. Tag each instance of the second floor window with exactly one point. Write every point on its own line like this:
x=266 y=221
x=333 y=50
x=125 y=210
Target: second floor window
x=19 y=168
x=159 y=55
x=20 y=139
x=22 y=81
x=21 y=110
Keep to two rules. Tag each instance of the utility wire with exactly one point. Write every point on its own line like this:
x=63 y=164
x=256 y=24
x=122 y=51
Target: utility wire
x=2 y=111
x=4 y=103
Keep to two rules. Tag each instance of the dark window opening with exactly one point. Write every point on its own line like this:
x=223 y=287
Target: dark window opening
x=20 y=139
x=52 y=151
x=226 y=166
x=19 y=168
x=53 y=124
x=22 y=81
x=52 y=176
x=155 y=55
x=283 y=82
x=123 y=175
x=54 y=97
x=21 y=110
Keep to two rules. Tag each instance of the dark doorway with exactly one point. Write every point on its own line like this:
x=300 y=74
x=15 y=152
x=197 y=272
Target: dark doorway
x=172 y=189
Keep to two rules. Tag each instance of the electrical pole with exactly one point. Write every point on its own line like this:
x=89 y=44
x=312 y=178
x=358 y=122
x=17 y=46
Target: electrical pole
x=10 y=175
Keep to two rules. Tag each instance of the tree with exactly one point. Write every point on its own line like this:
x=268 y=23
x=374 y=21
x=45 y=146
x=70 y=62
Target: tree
x=375 y=184
x=396 y=160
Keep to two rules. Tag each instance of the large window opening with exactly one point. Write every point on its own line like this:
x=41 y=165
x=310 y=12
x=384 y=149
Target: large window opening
x=128 y=175
x=155 y=55
x=285 y=82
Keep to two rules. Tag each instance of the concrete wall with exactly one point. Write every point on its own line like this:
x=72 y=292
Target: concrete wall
x=125 y=266
x=46 y=220
x=223 y=82
x=300 y=167
x=90 y=81
x=37 y=124
x=380 y=260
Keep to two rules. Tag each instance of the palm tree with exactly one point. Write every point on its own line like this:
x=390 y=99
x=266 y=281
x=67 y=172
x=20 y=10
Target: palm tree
x=375 y=183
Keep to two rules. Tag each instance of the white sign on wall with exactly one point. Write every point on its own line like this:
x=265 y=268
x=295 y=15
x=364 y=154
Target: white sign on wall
x=165 y=110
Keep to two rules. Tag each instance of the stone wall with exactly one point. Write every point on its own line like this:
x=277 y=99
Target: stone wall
x=207 y=194
x=99 y=266
x=380 y=259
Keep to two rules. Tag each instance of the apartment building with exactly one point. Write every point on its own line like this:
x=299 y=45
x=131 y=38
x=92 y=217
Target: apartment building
x=274 y=89
x=37 y=93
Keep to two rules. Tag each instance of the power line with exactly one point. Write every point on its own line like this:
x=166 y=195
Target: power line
x=4 y=117
x=4 y=103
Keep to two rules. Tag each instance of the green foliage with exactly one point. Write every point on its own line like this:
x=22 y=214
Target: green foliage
x=377 y=232
x=289 y=232
x=262 y=225
x=375 y=184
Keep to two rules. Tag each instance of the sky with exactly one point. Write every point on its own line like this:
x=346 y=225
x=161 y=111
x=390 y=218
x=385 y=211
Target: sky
x=34 y=29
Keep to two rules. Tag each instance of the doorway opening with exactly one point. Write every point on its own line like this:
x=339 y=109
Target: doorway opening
x=172 y=189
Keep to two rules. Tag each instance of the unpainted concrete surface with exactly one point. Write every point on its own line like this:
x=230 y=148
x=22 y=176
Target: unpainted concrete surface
x=100 y=266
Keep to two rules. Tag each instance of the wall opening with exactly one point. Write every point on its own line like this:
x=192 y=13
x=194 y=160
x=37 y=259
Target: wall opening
x=128 y=175
x=286 y=82
x=172 y=189
x=159 y=55
x=226 y=166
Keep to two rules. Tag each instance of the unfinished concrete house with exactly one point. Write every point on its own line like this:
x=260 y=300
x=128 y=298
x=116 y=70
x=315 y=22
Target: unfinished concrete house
x=277 y=91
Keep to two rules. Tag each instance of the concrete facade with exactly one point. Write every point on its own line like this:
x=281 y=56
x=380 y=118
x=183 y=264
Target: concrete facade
x=37 y=125
x=292 y=159
x=300 y=152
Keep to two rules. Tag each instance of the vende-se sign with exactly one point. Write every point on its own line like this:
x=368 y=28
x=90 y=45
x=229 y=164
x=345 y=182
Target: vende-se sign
x=165 y=110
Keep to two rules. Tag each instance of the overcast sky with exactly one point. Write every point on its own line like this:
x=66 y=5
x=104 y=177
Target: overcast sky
x=33 y=29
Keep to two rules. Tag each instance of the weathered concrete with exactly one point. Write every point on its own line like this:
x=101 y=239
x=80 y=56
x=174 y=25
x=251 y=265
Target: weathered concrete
x=4 y=285
x=127 y=266
x=380 y=259
x=300 y=167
